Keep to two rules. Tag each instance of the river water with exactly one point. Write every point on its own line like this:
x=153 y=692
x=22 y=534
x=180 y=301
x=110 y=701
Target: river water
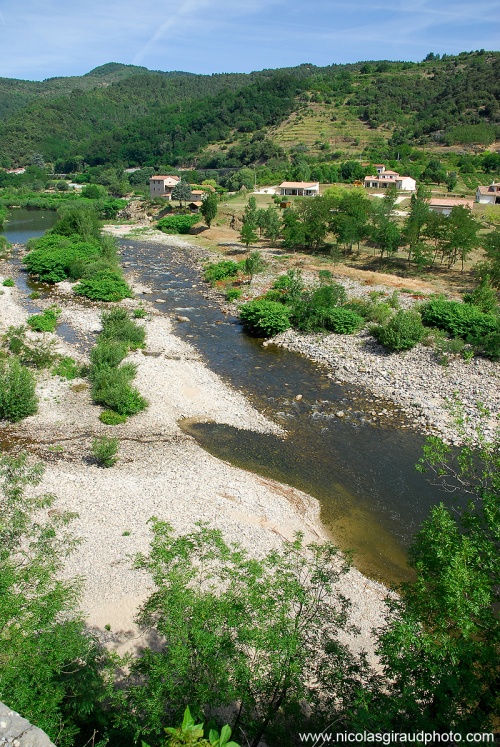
x=362 y=473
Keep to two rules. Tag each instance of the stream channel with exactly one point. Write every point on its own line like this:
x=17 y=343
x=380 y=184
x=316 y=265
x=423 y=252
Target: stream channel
x=363 y=473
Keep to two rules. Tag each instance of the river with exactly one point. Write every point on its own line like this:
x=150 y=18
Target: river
x=362 y=473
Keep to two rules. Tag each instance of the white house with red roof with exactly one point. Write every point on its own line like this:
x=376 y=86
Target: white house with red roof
x=387 y=178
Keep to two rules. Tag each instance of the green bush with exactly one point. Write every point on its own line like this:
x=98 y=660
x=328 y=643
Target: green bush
x=312 y=311
x=111 y=387
x=140 y=313
x=18 y=399
x=45 y=322
x=402 y=332
x=52 y=256
x=107 y=354
x=372 y=311
x=67 y=368
x=459 y=319
x=118 y=326
x=106 y=285
x=177 y=223
x=105 y=450
x=343 y=321
x=265 y=318
x=109 y=417
x=220 y=271
x=37 y=353
x=232 y=294
x=8 y=283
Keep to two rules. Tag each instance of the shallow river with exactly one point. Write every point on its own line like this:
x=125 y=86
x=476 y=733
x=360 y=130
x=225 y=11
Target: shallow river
x=363 y=474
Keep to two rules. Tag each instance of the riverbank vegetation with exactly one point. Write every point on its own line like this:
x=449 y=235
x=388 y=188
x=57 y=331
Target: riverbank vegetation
x=111 y=379
x=258 y=640
x=74 y=249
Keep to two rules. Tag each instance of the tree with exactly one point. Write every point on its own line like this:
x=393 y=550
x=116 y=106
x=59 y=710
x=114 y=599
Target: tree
x=441 y=643
x=237 y=630
x=209 y=207
x=460 y=235
x=250 y=212
x=272 y=226
x=49 y=663
x=254 y=263
x=181 y=192
x=247 y=234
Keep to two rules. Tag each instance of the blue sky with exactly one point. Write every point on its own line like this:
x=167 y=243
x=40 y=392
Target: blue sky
x=59 y=37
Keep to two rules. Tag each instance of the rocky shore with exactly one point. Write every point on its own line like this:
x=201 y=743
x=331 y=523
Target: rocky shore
x=425 y=389
x=161 y=471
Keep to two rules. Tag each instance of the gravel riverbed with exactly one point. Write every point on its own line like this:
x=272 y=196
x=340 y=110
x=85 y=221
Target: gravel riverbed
x=161 y=471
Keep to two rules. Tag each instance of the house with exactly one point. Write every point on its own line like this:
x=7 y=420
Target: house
x=385 y=179
x=198 y=195
x=18 y=172
x=299 y=189
x=162 y=186
x=444 y=206
x=489 y=195
x=195 y=206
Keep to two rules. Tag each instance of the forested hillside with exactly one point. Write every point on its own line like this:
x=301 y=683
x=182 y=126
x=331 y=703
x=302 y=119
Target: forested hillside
x=129 y=116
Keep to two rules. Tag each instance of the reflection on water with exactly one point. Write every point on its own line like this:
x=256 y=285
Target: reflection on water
x=24 y=224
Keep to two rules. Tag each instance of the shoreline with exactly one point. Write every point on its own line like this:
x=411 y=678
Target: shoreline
x=161 y=470
x=424 y=390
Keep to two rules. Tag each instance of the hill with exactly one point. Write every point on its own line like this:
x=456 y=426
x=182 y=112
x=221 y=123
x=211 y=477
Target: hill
x=124 y=114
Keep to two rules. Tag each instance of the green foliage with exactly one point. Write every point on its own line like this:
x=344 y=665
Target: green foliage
x=459 y=319
x=209 y=208
x=484 y=296
x=45 y=322
x=37 y=353
x=111 y=380
x=18 y=399
x=49 y=663
x=254 y=264
x=51 y=256
x=177 y=223
x=215 y=271
x=232 y=294
x=247 y=234
x=439 y=647
x=403 y=331
x=118 y=327
x=140 y=313
x=8 y=283
x=312 y=311
x=237 y=629
x=181 y=192
x=265 y=318
x=343 y=321
x=67 y=368
x=105 y=451
x=190 y=733
x=105 y=285
x=112 y=388
x=109 y=417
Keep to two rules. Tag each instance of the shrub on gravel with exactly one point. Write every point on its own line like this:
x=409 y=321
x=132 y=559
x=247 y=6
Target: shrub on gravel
x=458 y=319
x=265 y=318
x=177 y=223
x=105 y=451
x=118 y=326
x=215 y=271
x=45 y=322
x=105 y=285
x=110 y=417
x=18 y=399
x=402 y=332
